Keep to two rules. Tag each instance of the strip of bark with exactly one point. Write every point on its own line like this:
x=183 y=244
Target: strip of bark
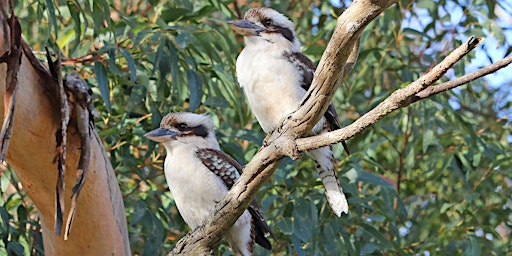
x=81 y=98
x=13 y=60
x=61 y=141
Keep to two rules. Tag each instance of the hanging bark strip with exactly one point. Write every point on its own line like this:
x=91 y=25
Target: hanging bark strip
x=61 y=139
x=80 y=95
x=13 y=60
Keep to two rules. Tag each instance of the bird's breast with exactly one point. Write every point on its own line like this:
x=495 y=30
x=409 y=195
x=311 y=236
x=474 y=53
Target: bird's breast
x=271 y=84
x=194 y=187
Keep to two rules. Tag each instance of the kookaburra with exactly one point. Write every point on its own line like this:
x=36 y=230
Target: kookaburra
x=199 y=174
x=275 y=76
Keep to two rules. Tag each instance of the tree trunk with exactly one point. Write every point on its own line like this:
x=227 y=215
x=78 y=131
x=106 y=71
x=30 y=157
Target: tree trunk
x=99 y=226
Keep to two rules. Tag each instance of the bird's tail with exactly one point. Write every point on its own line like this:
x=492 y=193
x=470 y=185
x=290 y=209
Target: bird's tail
x=324 y=161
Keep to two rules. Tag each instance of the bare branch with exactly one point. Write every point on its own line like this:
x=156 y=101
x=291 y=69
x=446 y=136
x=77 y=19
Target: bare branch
x=463 y=79
x=398 y=99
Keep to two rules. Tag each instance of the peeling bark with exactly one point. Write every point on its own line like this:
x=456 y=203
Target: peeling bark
x=99 y=225
x=13 y=60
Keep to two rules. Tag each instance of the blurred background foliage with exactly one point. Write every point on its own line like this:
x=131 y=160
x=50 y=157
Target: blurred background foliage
x=433 y=178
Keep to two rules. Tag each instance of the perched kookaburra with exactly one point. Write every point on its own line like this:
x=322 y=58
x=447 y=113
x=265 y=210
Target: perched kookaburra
x=199 y=174
x=275 y=76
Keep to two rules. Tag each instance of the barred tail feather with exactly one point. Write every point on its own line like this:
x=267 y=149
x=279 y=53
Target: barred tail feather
x=324 y=161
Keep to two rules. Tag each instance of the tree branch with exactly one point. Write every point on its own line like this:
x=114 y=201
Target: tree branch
x=462 y=80
x=350 y=24
x=398 y=99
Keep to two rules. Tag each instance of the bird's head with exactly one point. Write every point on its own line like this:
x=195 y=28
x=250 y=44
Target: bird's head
x=265 y=26
x=185 y=127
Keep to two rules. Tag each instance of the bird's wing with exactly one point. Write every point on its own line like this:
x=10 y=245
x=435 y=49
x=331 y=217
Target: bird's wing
x=307 y=68
x=229 y=170
x=221 y=164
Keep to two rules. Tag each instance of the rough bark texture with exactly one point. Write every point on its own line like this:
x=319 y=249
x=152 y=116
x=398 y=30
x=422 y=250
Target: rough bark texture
x=99 y=226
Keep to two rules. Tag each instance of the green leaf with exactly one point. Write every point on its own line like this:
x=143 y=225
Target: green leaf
x=428 y=139
x=473 y=247
x=184 y=39
x=217 y=102
x=131 y=64
x=103 y=83
x=173 y=62
x=303 y=221
x=302 y=230
x=383 y=242
x=196 y=90
x=53 y=19
x=173 y=14
x=286 y=225
x=136 y=100
x=98 y=15
x=5 y=218
x=373 y=179
x=112 y=61
x=22 y=216
x=369 y=248
x=15 y=248
x=75 y=11
x=445 y=207
x=298 y=246
x=140 y=37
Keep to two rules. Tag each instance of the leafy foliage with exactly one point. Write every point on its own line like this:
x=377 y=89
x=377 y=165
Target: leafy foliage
x=429 y=178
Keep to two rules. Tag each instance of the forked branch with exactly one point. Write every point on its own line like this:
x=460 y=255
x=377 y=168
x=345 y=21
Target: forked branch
x=350 y=24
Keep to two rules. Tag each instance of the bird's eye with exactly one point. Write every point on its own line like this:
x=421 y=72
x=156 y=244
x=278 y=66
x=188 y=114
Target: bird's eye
x=182 y=126
x=267 y=22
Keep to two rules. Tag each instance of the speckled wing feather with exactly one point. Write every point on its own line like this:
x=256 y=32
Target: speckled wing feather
x=229 y=170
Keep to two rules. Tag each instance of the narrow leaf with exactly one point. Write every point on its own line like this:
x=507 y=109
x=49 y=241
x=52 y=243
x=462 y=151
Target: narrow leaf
x=196 y=90
x=53 y=18
x=103 y=83
x=131 y=64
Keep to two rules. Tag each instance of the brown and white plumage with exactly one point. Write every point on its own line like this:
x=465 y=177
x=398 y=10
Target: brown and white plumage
x=199 y=174
x=275 y=76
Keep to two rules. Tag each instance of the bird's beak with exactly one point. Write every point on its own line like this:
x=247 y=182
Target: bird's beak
x=161 y=135
x=245 y=28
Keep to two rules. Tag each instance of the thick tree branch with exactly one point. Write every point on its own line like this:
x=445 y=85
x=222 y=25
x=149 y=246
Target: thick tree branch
x=349 y=26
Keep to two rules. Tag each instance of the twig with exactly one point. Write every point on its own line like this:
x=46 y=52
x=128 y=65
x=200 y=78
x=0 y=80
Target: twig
x=462 y=80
